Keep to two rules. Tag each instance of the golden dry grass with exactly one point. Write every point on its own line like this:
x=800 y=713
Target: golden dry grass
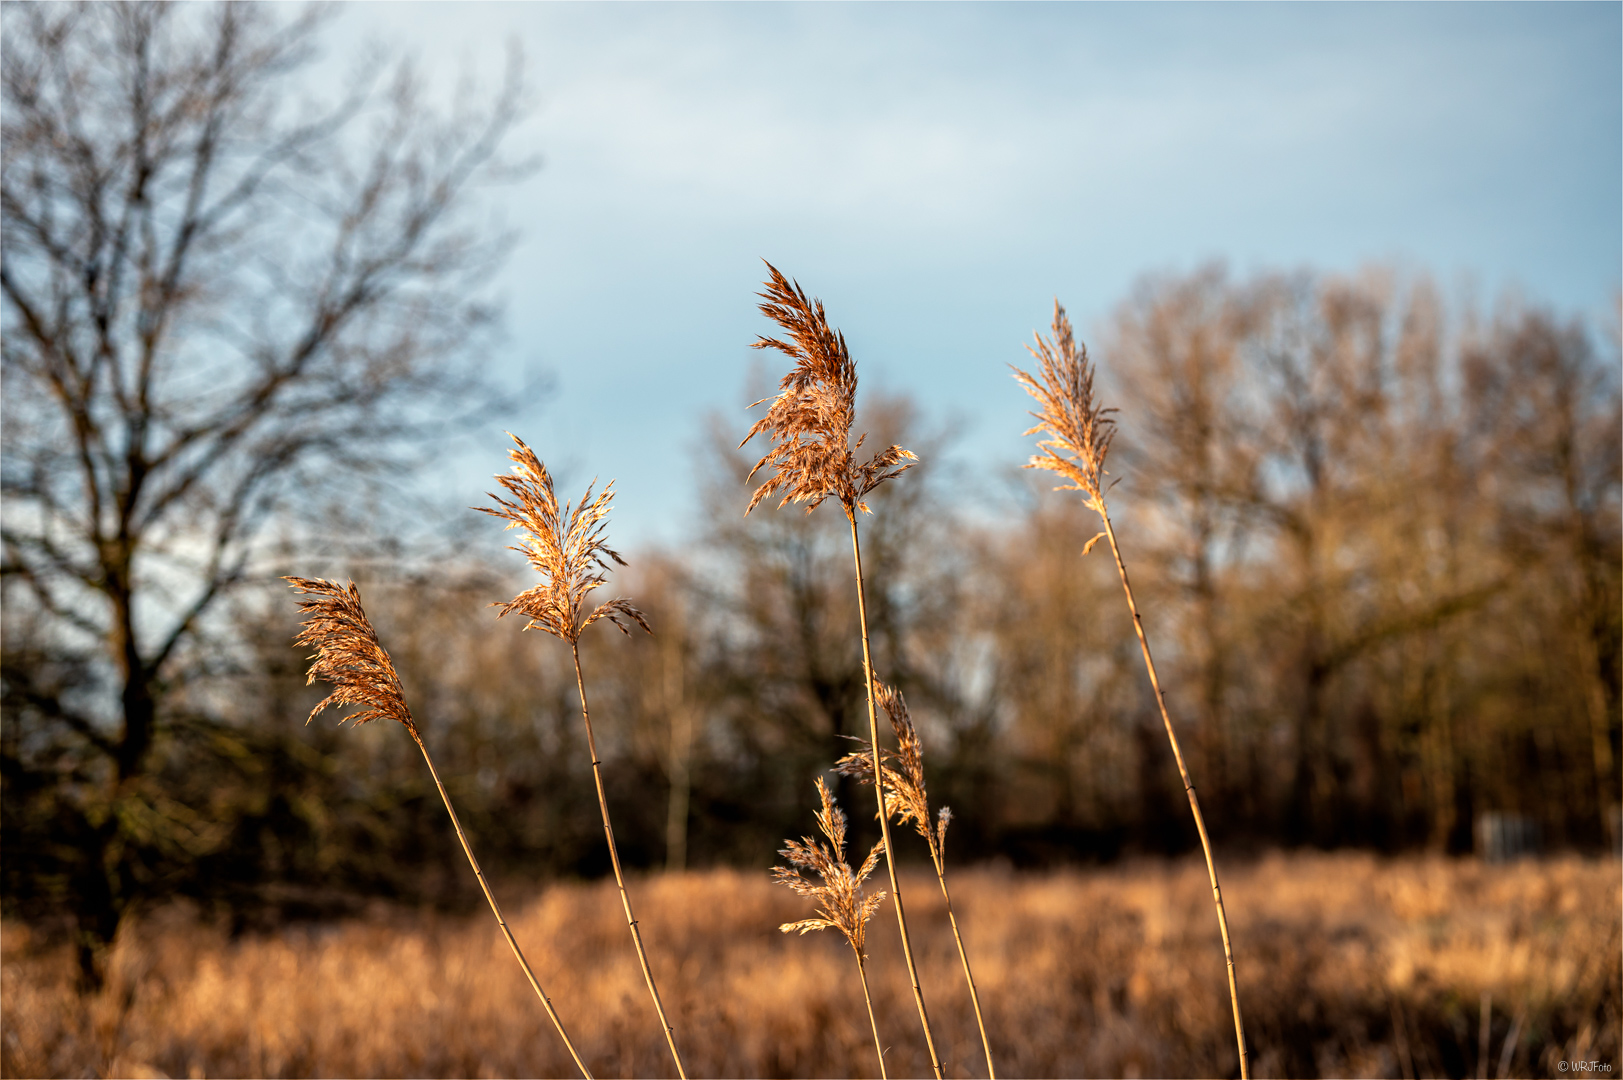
x=809 y=428
x=1111 y=972
x=566 y=547
x=906 y=792
x=1079 y=431
x=568 y=550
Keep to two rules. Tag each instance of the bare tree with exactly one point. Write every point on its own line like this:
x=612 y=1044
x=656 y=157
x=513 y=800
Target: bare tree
x=217 y=298
x=1177 y=347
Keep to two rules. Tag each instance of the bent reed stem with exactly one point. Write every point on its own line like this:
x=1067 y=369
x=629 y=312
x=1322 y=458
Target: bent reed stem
x=1188 y=786
x=497 y=911
x=879 y=793
x=619 y=876
x=350 y=657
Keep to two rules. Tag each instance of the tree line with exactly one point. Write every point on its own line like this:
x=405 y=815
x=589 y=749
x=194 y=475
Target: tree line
x=1380 y=547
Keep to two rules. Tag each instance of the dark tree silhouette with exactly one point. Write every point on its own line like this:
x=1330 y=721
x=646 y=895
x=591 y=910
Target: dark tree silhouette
x=218 y=298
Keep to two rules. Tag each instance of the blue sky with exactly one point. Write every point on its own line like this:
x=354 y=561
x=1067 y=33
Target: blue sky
x=936 y=173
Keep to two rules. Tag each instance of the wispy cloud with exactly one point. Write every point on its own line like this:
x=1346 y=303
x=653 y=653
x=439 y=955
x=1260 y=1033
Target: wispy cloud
x=953 y=167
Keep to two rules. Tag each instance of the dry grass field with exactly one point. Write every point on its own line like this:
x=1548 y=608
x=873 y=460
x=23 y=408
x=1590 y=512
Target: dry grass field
x=1349 y=966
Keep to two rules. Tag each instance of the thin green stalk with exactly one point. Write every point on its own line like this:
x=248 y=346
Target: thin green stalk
x=619 y=877
x=884 y=814
x=497 y=911
x=1188 y=786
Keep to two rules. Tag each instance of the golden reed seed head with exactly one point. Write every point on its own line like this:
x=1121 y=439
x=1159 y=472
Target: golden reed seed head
x=840 y=902
x=1079 y=430
x=566 y=547
x=348 y=654
x=905 y=793
x=809 y=422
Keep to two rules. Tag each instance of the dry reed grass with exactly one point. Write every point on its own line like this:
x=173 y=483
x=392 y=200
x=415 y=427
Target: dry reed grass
x=350 y=658
x=566 y=547
x=808 y=427
x=1347 y=947
x=1078 y=432
x=840 y=903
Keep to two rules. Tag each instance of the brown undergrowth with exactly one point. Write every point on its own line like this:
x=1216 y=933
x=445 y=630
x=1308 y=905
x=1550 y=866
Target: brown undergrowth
x=1360 y=967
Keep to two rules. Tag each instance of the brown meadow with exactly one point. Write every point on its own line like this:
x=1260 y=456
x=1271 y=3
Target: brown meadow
x=1358 y=966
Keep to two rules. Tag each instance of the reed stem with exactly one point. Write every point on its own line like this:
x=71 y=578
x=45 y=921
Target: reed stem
x=879 y=792
x=619 y=877
x=497 y=911
x=862 y=972
x=937 y=857
x=1188 y=786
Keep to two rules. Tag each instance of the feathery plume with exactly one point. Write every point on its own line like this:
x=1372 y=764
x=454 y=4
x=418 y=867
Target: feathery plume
x=1078 y=430
x=840 y=903
x=903 y=767
x=809 y=422
x=566 y=547
x=348 y=655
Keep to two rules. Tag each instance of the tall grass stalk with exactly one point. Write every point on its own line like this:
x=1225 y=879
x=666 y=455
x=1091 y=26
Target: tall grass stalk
x=936 y=856
x=1189 y=788
x=812 y=459
x=619 y=875
x=349 y=655
x=567 y=548
x=884 y=813
x=907 y=794
x=1078 y=435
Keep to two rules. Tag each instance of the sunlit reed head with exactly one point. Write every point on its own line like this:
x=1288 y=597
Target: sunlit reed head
x=905 y=793
x=841 y=904
x=566 y=547
x=1078 y=429
x=348 y=654
x=809 y=422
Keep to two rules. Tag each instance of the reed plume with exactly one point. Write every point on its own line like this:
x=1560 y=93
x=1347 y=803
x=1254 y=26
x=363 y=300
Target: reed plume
x=350 y=657
x=1077 y=434
x=840 y=903
x=812 y=458
x=808 y=424
x=904 y=785
x=567 y=549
